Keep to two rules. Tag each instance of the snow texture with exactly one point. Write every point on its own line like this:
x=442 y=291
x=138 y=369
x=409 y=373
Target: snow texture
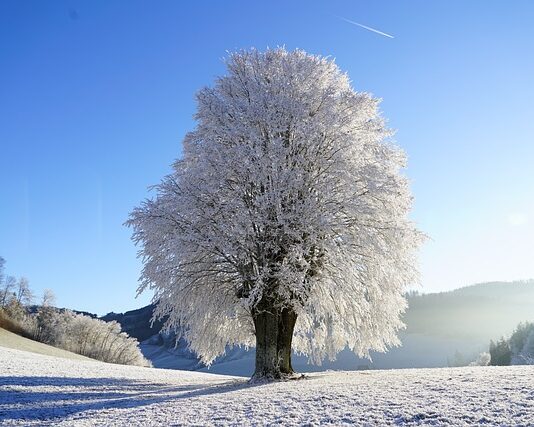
x=44 y=390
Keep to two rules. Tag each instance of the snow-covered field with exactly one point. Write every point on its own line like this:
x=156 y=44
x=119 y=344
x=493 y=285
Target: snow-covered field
x=44 y=390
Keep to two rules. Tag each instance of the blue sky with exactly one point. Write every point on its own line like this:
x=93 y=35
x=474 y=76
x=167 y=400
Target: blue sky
x=95 y=98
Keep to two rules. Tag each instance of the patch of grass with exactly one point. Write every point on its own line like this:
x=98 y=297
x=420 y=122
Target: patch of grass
x=12 y=325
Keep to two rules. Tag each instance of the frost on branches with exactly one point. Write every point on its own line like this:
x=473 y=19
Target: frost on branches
x=284 y=224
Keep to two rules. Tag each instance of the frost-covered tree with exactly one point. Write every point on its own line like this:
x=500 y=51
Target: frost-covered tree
x=84 y=335
x=48 y=299
x=483 y=359
x=7 y=290
x=25 y=295
x=526 y=356
x=46 y=328
x=98 y=339
x=521 y=344
x=2 y=269
x=7 y=285
x=284 y=224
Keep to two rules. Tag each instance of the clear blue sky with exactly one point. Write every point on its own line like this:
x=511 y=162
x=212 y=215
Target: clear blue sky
x=95 y=98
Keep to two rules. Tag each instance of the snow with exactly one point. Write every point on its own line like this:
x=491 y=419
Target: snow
x=44 y=390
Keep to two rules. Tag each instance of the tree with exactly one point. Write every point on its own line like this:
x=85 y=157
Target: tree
x=519 y=337
x=521 y=344
x=49 y=298
x=97 y=339
x=25 y=295
x=7 y=284
x=6 y=290
x=500 y=353
x=45 y=319
x=527 y=353
x=483 y=359
x=2 y=269
x=284 y=225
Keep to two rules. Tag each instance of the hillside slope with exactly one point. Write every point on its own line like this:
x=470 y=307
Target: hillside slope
x=486 y=310
x=40 y=391
x=14 y=341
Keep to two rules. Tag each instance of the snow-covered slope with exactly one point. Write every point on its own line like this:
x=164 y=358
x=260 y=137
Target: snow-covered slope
x=44 y=390
x=11 y=340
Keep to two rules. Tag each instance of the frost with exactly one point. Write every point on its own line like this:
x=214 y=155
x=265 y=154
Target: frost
x=289 y=188
x=40 y=390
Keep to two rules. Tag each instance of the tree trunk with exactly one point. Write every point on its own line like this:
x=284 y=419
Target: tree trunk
x=274 y=333
x=286 y=325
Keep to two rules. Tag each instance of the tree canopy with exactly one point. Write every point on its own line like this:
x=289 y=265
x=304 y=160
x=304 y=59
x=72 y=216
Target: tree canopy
x=289 y=199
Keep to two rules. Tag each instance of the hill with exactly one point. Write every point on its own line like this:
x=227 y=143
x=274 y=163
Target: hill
x=40 y=391
x=486 y=310
x=14 y=341
x=442 y=329
x=136 y=323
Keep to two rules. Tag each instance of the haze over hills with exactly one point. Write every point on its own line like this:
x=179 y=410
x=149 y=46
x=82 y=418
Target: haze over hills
x=485 y=310
x=442 y=329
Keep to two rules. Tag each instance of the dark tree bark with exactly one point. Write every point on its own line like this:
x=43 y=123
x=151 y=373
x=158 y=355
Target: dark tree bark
x=286 y=325
x=274 y=333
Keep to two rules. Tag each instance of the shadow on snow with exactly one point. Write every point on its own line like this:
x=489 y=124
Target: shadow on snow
x=92 y=394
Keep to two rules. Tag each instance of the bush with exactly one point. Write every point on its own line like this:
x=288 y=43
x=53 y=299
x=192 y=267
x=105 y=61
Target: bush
x=15 y=318
x=483 y=359
x=11 y=325
x=77 y=333
x=99 y=340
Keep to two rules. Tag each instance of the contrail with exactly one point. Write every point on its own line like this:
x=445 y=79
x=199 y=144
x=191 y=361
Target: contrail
x=367 y=28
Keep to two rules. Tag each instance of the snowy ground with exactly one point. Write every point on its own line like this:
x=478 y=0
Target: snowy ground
x=44 y=390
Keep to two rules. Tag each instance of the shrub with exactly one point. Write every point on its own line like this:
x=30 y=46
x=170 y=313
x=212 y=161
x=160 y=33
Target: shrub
x=77 y=333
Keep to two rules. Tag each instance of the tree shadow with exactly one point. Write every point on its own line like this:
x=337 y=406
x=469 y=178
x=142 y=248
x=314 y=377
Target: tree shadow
x=31 y=403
